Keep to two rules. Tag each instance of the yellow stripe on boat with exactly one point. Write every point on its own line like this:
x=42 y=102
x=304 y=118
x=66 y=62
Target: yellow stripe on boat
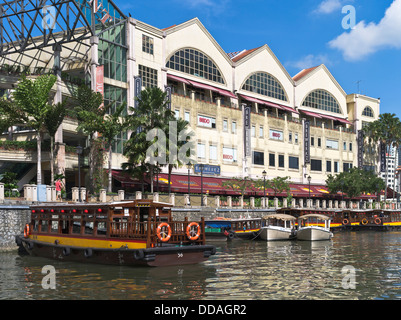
x=90 y=243
x=251 y=230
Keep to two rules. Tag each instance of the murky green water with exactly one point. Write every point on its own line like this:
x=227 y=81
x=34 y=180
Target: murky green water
x=246 y=270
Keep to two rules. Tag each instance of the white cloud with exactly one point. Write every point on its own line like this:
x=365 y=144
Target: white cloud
x=328 y=6
x=366 y=39
x=310 y=61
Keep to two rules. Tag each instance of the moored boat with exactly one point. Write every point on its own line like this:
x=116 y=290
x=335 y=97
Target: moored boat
x=312 y=227
x=223 y=229
x=278 y=227
x=140 y=232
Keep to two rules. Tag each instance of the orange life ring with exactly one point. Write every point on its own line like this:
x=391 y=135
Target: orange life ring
x=162 y=234
x=378 y=221
x=190 y=231
x=26 y=231
x=364 y=221
x=345 y=221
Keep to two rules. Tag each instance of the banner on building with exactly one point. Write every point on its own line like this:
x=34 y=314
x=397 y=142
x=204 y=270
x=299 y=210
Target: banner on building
x=247 y=131
x=307 y=141
x=100 y=81
x=168 y=96
x=137 y=90
x=382 y=157
x=360 y=148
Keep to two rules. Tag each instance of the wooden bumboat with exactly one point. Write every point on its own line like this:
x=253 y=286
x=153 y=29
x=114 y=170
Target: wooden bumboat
x=369 y=219
x=139 y=232
x=355 y=220
x=223 y=229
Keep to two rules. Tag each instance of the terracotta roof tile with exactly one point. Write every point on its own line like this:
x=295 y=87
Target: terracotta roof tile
x=244 y=54
x=303 y=73
x=169 y=27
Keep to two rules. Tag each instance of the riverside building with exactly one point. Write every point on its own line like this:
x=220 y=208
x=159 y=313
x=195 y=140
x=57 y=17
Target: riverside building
x=248 y=113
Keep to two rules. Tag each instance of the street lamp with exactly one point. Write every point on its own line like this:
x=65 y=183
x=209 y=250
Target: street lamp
x=264 y=187
x=201 y=170
x=189 y=166
x=79 y=152
x=309 y=180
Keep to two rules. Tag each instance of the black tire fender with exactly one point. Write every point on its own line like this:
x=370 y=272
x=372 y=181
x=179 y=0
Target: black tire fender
x=88 y=252
x=66 y=251
x=139 y=254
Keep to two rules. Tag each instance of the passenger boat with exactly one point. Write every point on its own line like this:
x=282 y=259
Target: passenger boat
x=335 y=223
x=140 y=232
x=223 y=229
x=278 y=227
x=313 y=227
x=369 y=219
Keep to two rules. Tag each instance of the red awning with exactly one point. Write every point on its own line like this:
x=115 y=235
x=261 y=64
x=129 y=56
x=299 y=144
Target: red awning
x=320 y=115
x=125 y=179
x=214 y=186
x=179 y=79
x=268 y=103
x=259 y=101
x=207 y=87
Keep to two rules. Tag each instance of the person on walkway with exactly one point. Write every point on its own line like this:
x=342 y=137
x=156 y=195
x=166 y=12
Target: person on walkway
x=58 y=190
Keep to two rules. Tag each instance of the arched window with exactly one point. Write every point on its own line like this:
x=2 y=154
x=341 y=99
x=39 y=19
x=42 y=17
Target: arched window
x=322 y=100
x=265 y=84
x=368 y=112
x=195 y=63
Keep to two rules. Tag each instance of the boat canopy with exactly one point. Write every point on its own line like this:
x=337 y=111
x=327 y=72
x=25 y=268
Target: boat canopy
x=315 y=215
x=285 y=217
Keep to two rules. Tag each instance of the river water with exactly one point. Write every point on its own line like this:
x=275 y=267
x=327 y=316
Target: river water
x=353 y=265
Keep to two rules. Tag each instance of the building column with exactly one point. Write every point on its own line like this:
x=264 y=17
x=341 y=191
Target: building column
x=131 y=61
x=58 y=98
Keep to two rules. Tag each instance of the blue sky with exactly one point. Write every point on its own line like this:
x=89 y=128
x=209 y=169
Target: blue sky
x=302 y=34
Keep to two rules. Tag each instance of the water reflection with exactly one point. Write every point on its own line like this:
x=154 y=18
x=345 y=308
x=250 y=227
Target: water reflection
x=246 y=270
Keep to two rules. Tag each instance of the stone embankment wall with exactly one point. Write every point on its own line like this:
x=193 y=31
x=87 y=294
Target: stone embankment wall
x=12 y=222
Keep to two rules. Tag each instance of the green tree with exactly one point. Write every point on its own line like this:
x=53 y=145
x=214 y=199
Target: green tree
x=239 y=184
x=113 y=124
x=30 y=106
x=279 y=185
x=177 y=143
x=52 y=121
x=355 y=182
x=152 y=113
x=386 y=130
x=90 y=114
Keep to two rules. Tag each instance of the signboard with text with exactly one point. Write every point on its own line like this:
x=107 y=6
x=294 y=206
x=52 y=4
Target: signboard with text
x=207 y=169
x=247 y=131
x=276 y=135
x=307 y=141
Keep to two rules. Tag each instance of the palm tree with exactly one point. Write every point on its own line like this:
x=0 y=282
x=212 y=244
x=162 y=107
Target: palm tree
x=113 y=124
x=182 y=125
x=151 y=113
x=30 y=107
x=90 y=114
x=387 y=131
x=52 y=122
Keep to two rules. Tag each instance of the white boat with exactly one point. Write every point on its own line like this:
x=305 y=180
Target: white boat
x=278 y=227
x=313 y=227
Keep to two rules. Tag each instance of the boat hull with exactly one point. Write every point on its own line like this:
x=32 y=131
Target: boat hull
x=153 y=257
x=276 y=233
x=313 y=234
